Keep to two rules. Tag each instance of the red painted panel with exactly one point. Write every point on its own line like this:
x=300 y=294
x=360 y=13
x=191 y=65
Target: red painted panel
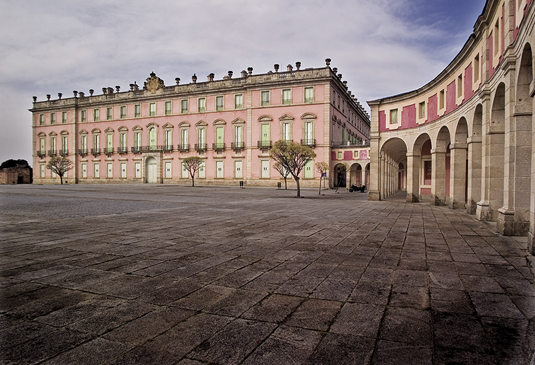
x=432 y=108
x=408 y=116
x=363 y=155
x=348 y=155
x=382 y=121
x=451 y=96
x=426 y=148
x=425 y=191
x=468 y=77
x=333 y=155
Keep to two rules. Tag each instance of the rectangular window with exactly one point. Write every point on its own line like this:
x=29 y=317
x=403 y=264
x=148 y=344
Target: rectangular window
x=42 y=168
x=309 y=132
x=496 y=37
x=64 y=146
x=238 y=169
x=356 y=154
x=52 y=118
x=460 y=86
x=53 y=144
x=238 y=101
x=219 y=173
x=286 y=96
x=168 y=139
x=264 y=166
x=109 y=173
x=476 y=69
x=167 y=107
x=109 y=143
x=265 y=131
x=83 y=116
x=41 y=119
x=201 y=105
x=286 y=132
x=201 y=137
x=123 y=170
x=184 y=138
x=137 y=139
x=42 y=147
x=340 y=155
x=184 y=106
x=238 y=135
x=64 y=117
x=83 y=143
x=122 y=142
x=96 y=115
x=123 y=111
x=393 y=116
x=309 y=94
x=219 y=138
x=168 y=170
x=309 y=170
x=219 y=103
x=137 y=110
x=202 y=172
x=84 y=170
x=442 y=99
x=137 y=170
x=427 y=172
x=421 y=110
x=152 y=109
x=96 y=170
x=96 y=141
x=109 y=113
x=265 y=98
x=184 y=173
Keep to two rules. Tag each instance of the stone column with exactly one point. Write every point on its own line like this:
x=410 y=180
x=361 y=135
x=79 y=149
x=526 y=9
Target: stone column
x=412 y=173
x=531 y=233
x=438 y=181
x=474 y=174
x=457 y=175
x=375 y=137
x=384 y=177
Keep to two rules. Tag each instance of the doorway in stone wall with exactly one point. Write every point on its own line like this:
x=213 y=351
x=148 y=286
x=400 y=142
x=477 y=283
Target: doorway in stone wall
x=152 y=170
x=340 y=176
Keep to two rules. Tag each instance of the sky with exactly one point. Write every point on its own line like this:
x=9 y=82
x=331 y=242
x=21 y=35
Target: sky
x=381 y=47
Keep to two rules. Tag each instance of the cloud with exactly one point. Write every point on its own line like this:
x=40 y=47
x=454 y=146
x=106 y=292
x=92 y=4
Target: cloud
x=61 y=46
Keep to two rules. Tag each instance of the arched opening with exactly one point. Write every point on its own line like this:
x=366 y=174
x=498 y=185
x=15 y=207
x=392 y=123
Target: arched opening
x=419 y=170
x=401 y=177
x=151 y=168
x=355 y=175
x=367 y=175
x=440 y=157
x=475 y=162
x=340 y=175
x=459 y=166
x=393 y=152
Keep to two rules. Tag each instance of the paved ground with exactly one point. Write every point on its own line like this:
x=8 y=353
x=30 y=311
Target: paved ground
x=173 y=274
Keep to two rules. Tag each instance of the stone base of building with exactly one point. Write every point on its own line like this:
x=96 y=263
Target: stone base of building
x=412 y=198
x=510 y=225
x=483 y=212
x=374 y=196
x=437 y=201
x=531 y=243
x=471 y=207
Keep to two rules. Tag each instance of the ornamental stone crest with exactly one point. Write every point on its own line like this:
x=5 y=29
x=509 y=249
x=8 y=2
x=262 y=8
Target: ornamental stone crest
x=154 y=83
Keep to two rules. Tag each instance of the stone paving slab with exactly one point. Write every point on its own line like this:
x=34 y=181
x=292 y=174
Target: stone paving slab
x=141 y=274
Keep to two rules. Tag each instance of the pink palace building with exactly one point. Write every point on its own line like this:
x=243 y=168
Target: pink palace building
x=467 y=138
x=143 y=134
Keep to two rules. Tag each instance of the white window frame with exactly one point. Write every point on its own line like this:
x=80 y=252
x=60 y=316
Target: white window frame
x=201 y=105
x=265 y=101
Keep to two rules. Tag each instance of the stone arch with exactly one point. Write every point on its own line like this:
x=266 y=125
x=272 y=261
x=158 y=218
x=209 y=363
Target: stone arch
x=418 y=168
x=459 y=165
x=392 y=152
x=339 y=176
x=151 y=170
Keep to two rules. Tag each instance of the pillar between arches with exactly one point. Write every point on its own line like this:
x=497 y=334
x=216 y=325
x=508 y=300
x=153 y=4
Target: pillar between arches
x=458 y=175
x=413 y=184
x=474 y=174
x=438 y=180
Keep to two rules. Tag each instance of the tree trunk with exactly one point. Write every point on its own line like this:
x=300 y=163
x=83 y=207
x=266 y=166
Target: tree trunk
x=192 y=181
x=61 y=179
x=285 y=184
x=298 y=187
x=319 y=192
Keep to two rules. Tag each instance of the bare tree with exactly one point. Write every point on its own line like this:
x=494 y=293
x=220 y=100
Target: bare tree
x=59 y=165
x=284 y=173
x=293 y=157
x=322 y=167
x=192 y=164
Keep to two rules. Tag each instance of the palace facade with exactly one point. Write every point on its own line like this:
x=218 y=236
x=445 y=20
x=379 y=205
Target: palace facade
x=466 y=139
x=143 y=134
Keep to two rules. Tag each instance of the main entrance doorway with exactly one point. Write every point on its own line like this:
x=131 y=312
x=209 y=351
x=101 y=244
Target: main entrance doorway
x=152 y=170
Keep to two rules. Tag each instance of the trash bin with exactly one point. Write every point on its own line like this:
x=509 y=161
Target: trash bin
x=241 y=184
x=279 y=185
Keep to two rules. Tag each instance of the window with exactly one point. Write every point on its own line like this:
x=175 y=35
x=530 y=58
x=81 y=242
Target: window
x=442 y=99
x=356 y=154
x=137 y=170
x=202 y=172
x=309 y=94
x=168 y=170
x=421 y=110
x=109 y=143
x=219 y=103
x=63 y=117
x=201 y=138
x=340 y=155
x=286 y=133
x=238 y=135
x=393 y=116
x=476 y=68
x=344 y=136
x=122 y=142
x=167 y=107
x=265 y=98
x=109 y=113
x=264 y=166
x=137 y=140
x=41 y=119
x=286 y=96
x=238 y=101
x=219 y=138
x=52 y=118
x=309 y=169
x=265 y=133
x=96 y=170
x=64 y=146
x=152 y=109
x=185 y=173
x=42 y=168
x=123 y=111
x=96 y=141
x=123 y=170
x=238 y=169
x=42 y=145
x=53 y=145
x=83 y=143
x=201 y=105
x=168 y=139
x=83 y=116
x=137 y=110
x=496 y=37
x=84 y=170
x=308 y=132
x=96 y=115
x=153 y=138
x=219 y=173
x=184 y=106
x=460 y=86
x=427 y=172
x=109 y=173
x=184 y=138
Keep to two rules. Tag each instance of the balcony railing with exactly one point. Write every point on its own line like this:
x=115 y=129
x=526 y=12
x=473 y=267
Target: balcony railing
x=200 y=147
x=136 y=149
x=183 y=147
x=63 y=153
x=218 y=147
x=166 y=148
x=237 y=146
x=95 y=151
x=309 y=142
x=265 y=145
x=82 y=152
x=122 y=150
x=52 y=153
x=151 y=148
x=108 y=151
x=41 y=154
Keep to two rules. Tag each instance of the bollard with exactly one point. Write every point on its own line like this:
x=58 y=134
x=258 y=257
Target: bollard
x=241 y=184
x=279 y=185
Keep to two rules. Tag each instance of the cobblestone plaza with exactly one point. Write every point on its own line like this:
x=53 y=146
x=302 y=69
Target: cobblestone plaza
x=161 y=274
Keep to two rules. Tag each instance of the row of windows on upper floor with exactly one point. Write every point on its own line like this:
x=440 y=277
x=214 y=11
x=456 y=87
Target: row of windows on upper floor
x=339 y=103
x=184 y=106
x=422 y=109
